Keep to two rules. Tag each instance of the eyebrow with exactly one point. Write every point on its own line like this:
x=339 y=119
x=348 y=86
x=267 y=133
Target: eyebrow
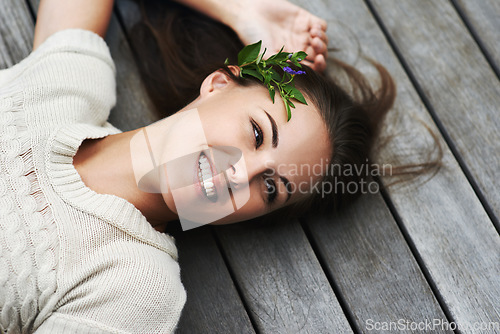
x=274 y=129
x=287 y=187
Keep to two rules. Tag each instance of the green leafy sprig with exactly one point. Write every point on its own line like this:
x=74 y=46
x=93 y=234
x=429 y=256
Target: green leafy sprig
x=251 y=63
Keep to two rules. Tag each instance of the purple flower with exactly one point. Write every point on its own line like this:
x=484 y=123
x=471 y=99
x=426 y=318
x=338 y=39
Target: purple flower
x=289 y=55
x=289 y=70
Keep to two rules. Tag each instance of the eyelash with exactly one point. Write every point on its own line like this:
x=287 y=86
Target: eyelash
x=271 y=194
x=269 y=183
x=257 y=132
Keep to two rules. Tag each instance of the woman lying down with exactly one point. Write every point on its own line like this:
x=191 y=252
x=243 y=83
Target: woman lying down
x=84 y=205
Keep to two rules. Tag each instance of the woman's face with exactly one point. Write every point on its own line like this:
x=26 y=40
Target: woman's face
x=267 y=161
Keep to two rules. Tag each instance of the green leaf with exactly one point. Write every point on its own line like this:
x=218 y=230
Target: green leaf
x=288 y=88
x=274 y=56
x=291 y=104
x=297 y=95
x=226 y=62
x=252 y=72
x=267 y=78
x=259 y=58
x=274 y=75
x=281 y=57
x=301 y=54
x=249 y=53
x=296 y=63
x=288 y=112
x=272 y=91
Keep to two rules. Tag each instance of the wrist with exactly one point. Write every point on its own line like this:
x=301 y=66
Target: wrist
x=232 y=13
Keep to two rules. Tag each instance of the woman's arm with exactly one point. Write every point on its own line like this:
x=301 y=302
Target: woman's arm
x=276 y=22
x=56 y=15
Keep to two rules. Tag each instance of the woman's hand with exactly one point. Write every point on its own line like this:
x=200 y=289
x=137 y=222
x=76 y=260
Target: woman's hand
x=277 y=23
x=280 y=23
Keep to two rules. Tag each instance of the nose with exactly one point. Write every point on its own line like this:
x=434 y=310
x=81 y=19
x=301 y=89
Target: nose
x=246 y=169
x=240 y=168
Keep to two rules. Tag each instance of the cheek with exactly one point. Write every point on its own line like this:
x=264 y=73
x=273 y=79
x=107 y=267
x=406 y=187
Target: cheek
x=253 y=208
x=220 y=131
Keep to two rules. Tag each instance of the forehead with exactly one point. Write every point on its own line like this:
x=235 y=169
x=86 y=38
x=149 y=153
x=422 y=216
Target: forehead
x=304 y=143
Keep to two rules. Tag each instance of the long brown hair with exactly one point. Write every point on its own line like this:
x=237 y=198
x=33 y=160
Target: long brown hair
x=177 y=48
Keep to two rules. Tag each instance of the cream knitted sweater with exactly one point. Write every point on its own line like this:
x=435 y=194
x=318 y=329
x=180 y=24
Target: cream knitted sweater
x=72 y=260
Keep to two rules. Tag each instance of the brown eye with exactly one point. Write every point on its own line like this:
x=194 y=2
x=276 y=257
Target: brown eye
x=270 y=190
x=257 y=132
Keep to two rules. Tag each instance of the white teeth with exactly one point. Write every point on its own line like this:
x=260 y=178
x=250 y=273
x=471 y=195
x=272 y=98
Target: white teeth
x=204 y=175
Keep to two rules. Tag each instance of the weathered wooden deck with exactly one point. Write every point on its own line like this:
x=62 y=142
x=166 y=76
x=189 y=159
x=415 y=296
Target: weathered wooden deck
x=418 y=251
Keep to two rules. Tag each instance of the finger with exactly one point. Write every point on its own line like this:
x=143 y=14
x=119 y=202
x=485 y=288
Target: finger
x=311 y=54
x=315 y=32
x=320 y=23
x=319 y=46
x=320 y=63
x=308 y=63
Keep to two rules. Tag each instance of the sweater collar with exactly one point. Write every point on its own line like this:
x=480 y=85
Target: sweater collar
x=114 y=210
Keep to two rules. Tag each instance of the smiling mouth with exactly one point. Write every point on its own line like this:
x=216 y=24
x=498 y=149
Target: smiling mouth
x=206 y=178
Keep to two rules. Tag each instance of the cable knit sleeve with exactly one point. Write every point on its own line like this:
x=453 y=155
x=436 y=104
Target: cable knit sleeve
x=134 y=291
x=70 y=78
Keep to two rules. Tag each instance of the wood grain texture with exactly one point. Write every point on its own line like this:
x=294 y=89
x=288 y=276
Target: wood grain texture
x=452 y=234
x=16 y=32
x=363 y=250
x=484 y=18
x=133 y=108
x=281 y=281
x=457 y=80
x=213 y=305
x=373 y=267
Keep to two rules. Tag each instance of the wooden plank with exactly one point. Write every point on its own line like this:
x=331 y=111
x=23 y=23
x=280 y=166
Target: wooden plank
x=133 y=108
x=363 y=249
x=452 y=235
x=213 y=305
x=373 y=267
x=457 y=80
x=16 y=32
x=281 y=280
x=484 y=19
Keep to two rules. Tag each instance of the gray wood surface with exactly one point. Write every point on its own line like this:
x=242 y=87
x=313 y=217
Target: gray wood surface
x=213 y=305
x=484 y=19
x=452 y=235
x=16 y=32
x=363 y=248
x=373 y=267
x=456 y=79
x=281 y=280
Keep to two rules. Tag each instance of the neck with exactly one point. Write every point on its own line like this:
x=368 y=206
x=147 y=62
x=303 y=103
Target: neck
x=105 y=166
